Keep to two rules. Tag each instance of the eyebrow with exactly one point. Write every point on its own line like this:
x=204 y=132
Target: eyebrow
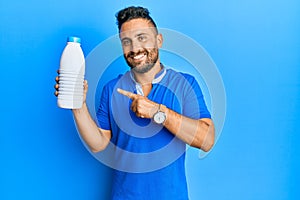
x=135 y=36
x=139 y=34
x=125 y=38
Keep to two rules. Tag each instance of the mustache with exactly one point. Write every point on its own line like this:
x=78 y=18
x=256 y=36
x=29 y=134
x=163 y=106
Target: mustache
x=132 y=53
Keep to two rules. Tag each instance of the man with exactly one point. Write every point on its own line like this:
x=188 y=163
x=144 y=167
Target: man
x=150 y=110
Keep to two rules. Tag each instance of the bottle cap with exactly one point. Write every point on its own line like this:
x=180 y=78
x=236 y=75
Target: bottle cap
x=74 y=39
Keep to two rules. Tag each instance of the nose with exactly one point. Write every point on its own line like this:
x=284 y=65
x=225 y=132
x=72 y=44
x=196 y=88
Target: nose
x=135 y=46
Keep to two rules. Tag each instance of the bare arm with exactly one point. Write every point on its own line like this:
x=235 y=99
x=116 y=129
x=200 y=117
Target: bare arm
x=96 y=138
x=195 y=132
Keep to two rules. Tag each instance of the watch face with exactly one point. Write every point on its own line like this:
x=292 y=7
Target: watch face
x=159 y=117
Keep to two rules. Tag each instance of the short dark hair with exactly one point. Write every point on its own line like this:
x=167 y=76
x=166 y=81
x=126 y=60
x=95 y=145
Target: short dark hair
x=133 y=12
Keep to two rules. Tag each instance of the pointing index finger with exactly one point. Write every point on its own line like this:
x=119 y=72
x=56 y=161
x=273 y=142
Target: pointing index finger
x=126 y=93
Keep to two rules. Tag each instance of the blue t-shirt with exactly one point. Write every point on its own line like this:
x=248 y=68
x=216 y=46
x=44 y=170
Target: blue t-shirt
x=148 y=160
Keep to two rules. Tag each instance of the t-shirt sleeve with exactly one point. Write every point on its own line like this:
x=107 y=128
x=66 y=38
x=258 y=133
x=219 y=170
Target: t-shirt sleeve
x=103 y=110
x=194 y=105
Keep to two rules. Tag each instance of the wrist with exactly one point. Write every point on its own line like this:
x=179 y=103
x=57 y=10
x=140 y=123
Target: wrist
x=160 y=116
x=166 y=111
x=79 y=110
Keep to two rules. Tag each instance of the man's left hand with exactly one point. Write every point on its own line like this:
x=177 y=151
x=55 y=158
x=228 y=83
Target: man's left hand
x=141 y=106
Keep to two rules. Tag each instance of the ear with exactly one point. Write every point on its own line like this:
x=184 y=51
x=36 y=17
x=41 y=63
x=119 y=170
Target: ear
x=159 y=40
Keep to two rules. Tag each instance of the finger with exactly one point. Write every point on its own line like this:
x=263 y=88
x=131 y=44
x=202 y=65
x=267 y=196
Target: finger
x=56 y=86
x=57 y=71
x=137 y=108
x=57 y=79
x=85 y=87
x=126 y=93
x=133 y=106
x=139 y=115
x=85 y=84
x=56 y=93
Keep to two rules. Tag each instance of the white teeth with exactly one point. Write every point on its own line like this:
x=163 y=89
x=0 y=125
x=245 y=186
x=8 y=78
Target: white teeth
x=139 y=56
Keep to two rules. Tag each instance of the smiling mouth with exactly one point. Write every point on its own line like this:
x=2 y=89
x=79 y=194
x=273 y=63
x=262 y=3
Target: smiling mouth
x=139 y=56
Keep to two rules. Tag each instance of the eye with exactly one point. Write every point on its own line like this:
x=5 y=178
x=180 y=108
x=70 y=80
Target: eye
x=126 y=42
x=142 y=38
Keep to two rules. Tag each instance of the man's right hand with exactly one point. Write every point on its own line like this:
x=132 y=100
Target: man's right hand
x=85 y=87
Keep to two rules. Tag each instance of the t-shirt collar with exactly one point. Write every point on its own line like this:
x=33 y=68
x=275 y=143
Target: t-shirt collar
x=158 y=77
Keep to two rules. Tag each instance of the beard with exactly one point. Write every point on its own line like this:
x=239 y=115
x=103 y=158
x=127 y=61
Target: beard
x=145 y=65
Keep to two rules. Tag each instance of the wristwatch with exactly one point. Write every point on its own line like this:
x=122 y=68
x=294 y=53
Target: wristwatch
x=160 y=116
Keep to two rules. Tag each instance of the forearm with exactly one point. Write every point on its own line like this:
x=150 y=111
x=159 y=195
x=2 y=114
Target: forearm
x=94 y=137
x=197 y=133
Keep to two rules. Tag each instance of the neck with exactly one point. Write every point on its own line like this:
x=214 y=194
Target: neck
x=148 y=77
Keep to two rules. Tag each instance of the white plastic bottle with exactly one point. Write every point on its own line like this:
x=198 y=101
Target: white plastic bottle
x=71 y=75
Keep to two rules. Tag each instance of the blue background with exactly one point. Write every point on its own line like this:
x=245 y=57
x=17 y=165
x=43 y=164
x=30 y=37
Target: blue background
x=256 y=46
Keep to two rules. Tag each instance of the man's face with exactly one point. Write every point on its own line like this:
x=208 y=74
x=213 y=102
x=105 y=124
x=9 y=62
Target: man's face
x=140 y=44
